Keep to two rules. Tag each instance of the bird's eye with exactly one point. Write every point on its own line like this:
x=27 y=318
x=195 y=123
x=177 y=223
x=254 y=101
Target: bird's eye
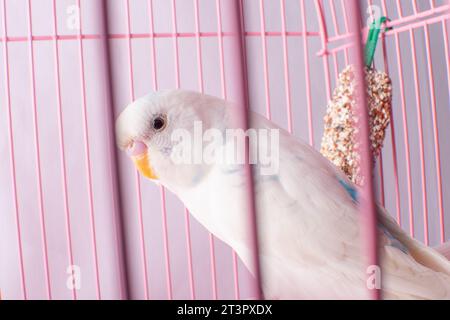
x=159 y=123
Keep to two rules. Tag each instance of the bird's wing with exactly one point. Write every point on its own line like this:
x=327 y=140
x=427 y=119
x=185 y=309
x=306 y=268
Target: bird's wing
x=315 y=206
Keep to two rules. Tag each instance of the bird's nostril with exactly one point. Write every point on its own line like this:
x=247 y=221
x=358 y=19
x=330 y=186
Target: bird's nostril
x=137 y=148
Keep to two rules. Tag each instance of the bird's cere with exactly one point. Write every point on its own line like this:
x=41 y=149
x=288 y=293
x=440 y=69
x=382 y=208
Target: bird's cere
x=214 y=146
x=136 y=149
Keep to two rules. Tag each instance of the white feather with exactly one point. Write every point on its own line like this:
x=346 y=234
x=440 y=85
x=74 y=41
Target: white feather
x=309 y=233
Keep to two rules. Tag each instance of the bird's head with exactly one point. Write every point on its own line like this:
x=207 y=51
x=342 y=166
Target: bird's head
x=145 y=131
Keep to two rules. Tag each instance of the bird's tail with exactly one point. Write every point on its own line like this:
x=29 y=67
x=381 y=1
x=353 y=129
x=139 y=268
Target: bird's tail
x=436 y=260
x=424 y=273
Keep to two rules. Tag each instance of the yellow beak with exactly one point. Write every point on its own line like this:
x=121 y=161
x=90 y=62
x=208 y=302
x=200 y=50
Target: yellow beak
x=142 y=163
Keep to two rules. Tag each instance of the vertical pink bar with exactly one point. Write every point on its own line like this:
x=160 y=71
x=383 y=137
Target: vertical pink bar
x=421 y=142
x=333 y=17
x=370 y=3
x=152 y=44
x=186 y=212
x=287 y=82
x=166 y=244
x=394 y=147
x=399 y=8
x=335 y=64
x=61 y=143
x=243 y=40
x=395 y=168
x=435 y=133
x=221 y=52
x=175 y=44
x=381 y=176
x=137 y=177
x=37 y=150
x=225 y=95
x=187 y=227
x=415 y=6
x=238 y=70
x=367 y=206
x=198 y=47
x=323 y=52
x=406 y=135
x=177 y=84
x=162 y=189
x=372 y=18
x=212 y=254
x=307 y=72
x=212 y=258
x=87 y=154
x=447 y=53
x=265 y=60
x=384 y=7
x=380 y=158
x=163 y=200
x=344 y=13
x=347 y=59
x=432 y=5
x=111 y=151
x=11 y=154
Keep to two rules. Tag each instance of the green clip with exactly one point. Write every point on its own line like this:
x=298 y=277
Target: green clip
x=372 y=39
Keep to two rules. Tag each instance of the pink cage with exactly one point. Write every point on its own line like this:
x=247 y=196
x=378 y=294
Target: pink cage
x=71 y=206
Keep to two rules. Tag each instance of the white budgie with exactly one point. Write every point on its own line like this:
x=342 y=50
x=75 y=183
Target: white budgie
x=309 y=237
